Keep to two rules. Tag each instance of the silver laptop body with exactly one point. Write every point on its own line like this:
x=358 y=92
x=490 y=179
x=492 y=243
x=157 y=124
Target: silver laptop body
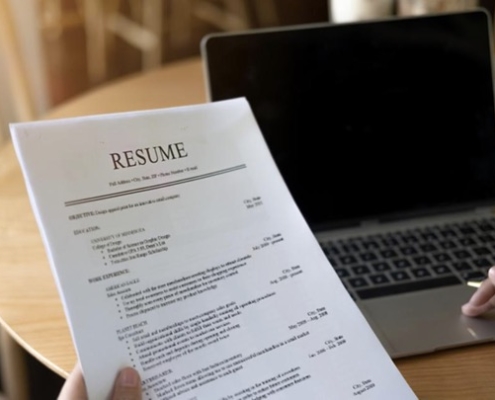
x=385 y=134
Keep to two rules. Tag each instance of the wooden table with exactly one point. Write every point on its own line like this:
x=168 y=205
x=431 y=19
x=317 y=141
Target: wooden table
x=30 y=308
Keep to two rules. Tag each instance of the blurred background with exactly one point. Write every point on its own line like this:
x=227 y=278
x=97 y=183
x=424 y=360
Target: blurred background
x=177 y=35
x=52 y=51
x=141 y=34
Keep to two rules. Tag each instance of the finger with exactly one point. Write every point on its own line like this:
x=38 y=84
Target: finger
x=74 y=387
x=483 y=299
x=127 y=385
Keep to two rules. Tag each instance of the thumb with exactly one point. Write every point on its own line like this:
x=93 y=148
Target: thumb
x=127 y=385
x=483 y=299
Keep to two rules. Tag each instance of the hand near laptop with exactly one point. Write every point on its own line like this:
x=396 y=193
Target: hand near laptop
x=127 y=386
x=483 y=299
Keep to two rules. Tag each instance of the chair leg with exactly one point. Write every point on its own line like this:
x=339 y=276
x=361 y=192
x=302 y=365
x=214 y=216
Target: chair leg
x=13 y=368
x=94 y=20
x=152 y=21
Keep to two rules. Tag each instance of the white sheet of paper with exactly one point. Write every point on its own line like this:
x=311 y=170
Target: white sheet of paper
x=177 y=249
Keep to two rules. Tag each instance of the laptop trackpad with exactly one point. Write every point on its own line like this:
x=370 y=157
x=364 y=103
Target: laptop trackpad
x=422 y=322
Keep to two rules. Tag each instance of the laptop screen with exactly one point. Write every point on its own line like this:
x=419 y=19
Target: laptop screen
x=370 y=120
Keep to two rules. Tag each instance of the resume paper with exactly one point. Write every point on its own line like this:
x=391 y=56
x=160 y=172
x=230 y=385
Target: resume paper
x=177 y=249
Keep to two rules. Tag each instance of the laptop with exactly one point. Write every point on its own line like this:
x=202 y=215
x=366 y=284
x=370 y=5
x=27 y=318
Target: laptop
x=384 y=132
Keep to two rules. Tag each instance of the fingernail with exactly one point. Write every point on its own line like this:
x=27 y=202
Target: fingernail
x=129 y=378
x=468 y=310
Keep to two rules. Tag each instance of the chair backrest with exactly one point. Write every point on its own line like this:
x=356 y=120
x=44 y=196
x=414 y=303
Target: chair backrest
x=22 y=71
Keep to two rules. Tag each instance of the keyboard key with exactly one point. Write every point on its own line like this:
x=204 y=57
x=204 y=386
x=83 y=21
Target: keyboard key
x=332 y=250
x=427 y=247
x=407 y=287
x=350 y=248
x=422 y=260
x=369 y=256
x=390 y=241
x=346 y=260
x=467 y=230
x=409 y=238
x=370 y=245
x=388 y=253
x=357 y=282
x=400 y=276
x=408 y=251
x=379 y=279
x=360 y=270
x=448 y=233
x=482 y=262
x=467 y=241
x=402 y=263
x=448 y=244
x=421 y=272
x=441 y=257
x=461 y=254
x=481 y=251
x=461 y=266
x=342 y=272
x=429 y=236
x=441 y=269
x=486 y=238
x=381 y=266
x=473 y=276
x=486 y=226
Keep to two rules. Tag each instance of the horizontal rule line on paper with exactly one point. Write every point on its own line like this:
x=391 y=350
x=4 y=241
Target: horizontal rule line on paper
x=153 y=187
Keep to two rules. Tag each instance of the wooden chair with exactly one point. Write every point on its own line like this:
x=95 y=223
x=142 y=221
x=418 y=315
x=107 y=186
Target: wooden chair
x=17 y=103
x=226 y=15
x=13 y=368
x=102 y=18
x=149 y=20
x=24 y=90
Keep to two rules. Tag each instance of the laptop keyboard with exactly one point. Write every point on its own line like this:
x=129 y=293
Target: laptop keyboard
x=417 y=259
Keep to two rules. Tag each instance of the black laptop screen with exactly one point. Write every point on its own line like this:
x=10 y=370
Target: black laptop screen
x=370 y=120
